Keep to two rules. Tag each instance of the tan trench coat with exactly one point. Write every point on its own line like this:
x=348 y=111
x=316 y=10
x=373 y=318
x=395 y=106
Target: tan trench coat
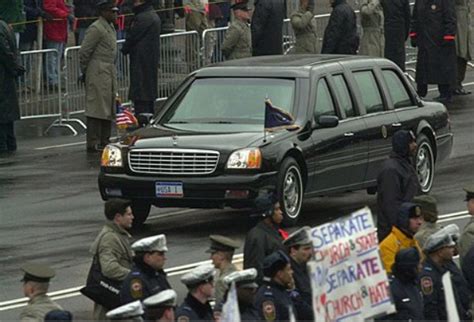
x=305 y=31
x=463 y=35
x=372 y=42
x=97 y=60
x=37 y=308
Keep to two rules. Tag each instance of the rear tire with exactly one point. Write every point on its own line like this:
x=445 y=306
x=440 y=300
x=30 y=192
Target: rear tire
x=290 y=191
x=140 y=211
x=425 y=164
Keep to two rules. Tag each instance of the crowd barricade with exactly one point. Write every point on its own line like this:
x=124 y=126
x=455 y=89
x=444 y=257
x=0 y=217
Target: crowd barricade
x=212 y=40
x=288 y=37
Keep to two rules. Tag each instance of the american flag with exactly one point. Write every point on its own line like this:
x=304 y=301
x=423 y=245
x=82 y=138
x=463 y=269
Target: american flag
x=126 y=118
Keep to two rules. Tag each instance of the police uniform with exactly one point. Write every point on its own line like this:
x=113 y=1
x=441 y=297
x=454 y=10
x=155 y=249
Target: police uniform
x=467 y=237
x=144 y=281
x=192 y=309
x=129 y=312
x=223 y=244
x=244 y=279
x=155 y=303
x=237 y=41
x=40 y=304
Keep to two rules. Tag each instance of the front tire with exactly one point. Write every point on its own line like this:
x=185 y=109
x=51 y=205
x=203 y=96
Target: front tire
x=425 y=164
x=290 y=191
x=140 y=211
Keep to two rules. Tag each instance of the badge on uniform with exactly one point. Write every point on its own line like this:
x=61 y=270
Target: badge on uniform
x=136 y=288
x=182 y=318
x=426 y=285
x=268 y=309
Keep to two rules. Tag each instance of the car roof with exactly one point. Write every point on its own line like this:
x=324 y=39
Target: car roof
x=275 y=66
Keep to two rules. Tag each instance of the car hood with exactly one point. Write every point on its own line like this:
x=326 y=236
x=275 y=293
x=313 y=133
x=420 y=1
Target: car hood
x=162 y=137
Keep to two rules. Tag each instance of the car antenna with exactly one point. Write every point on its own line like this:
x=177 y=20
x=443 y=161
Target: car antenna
x=264 y=119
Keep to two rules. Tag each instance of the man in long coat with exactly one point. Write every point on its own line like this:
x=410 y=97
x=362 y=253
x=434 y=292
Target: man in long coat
x=433 y=30
x=97 y=60
x=463 y=42
x=9 y=71
x=267 y=27
x=371 y=17
x=340 y=36
x=142 y=43
x=396 y=29
x=304 y=27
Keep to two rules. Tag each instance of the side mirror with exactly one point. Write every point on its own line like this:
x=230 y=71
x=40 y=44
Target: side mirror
x=144 y=118
x=328 y=121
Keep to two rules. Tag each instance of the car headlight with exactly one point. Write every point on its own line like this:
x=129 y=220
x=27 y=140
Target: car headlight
x=111 y=157
x=250 y=158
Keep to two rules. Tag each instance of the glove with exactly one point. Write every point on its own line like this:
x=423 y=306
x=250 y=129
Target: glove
x=82 y=79
x=413 y=42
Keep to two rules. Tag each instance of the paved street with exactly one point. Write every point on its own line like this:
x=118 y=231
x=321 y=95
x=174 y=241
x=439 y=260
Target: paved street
x=51 y=211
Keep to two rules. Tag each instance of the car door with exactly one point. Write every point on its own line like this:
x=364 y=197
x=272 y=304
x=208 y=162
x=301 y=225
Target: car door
x=332 y=150
x=381 y=122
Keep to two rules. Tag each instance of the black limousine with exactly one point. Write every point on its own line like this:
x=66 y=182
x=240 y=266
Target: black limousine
x=207 y=147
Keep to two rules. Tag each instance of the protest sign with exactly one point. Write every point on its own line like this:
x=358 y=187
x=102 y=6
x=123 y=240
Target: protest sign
x=230 y=310
x=348 y=279
x=451 y=308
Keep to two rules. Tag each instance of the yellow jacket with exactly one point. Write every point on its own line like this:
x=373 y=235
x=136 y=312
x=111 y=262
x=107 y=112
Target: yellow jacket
x=394 y=242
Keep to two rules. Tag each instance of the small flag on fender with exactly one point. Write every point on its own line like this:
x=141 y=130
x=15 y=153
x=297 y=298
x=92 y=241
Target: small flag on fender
x=124 y=118
x=276 y=118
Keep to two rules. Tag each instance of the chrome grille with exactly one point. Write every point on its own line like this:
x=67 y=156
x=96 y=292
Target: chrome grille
x=173 y=161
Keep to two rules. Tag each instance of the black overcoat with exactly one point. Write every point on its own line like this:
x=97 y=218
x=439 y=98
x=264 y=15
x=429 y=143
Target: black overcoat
x=267 y=27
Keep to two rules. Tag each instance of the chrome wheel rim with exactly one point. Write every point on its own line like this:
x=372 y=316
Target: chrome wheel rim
x=292 y=192
x=424 y=166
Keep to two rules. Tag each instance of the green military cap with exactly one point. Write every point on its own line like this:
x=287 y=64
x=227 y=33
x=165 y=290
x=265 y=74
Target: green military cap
x=429 y=208
x=469 y=192
x=299 y=237
x=36 y=272
x=222 y=243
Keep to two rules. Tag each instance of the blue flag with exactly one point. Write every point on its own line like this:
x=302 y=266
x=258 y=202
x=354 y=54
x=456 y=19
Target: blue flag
x=276 y=118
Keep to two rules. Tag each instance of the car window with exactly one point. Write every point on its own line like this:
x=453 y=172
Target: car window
x=343 y=95
x=397 y=90
x=324 y=104
x=369 y=91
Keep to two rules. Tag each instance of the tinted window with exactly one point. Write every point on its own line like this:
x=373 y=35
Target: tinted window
x=369 y=91
x=397 y=90
x=324 y=104
x=343 y=95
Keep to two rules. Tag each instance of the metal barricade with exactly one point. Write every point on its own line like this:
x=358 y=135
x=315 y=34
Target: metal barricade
x=212 y=40
x=74 y=97
x=289 y=38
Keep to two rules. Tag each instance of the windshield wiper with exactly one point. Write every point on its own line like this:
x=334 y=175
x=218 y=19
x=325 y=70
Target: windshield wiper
x=178 y=122
x=219 y=122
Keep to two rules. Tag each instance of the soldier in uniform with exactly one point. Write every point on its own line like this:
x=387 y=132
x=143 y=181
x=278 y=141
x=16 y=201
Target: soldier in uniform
x=246 y=287
x=222 y=250
x=112 y=245
x=372 y=42
x=195 y=15
x=200 y=284
x=439 y=251
x=266 y=237
x=35 y=286
x=463 y=43
x=429 y=211
x=273 y=299
x=467 y=237
x=147 y=276
x=130 y=312
x=97 y=62
x=304 y=27
x=160 y=307
x=237 y=41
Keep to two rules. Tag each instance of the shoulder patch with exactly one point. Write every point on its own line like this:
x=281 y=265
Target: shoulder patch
x=268 y=309
x=182 y=318
x=136 y=288
x=426 y=285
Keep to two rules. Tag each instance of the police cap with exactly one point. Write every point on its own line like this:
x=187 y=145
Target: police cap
x=242 y=279
x=36 y=272
x=199 y=275
x=445 y=237
x=299 y=237
x=274 y=263
x=166 y=298
x=469 y=192
x=130 y=310
x=222 y=243
x=151 y=244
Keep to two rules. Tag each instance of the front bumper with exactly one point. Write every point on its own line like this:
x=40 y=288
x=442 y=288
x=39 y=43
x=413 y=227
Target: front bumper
x=198 y=192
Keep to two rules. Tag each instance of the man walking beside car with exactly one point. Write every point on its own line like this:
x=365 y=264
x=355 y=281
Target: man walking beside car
x=340 y=36
x=237 y=41
x=463 y=43
x=267 y=27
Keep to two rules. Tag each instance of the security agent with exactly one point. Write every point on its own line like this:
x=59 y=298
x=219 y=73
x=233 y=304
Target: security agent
x=273 y=300
x=200 y=284
x=132 y=312
x=439 y=249
x=160 y=307
x=35 y=286
x=246 y=287
x=147 y=276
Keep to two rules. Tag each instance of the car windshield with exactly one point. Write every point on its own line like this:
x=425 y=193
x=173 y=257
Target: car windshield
x=228 y=104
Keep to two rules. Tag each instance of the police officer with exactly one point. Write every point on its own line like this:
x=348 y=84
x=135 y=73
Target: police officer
x=467 y=238
x=200 y=284
x=222 y=250
x=304 y=27
x=160 y=307
x=429 y=211
x=35 y=286
x=439 y=250
x=131 y=312
x=237 y=41
x=147 y=276
x=246 y=287
x=273 y=299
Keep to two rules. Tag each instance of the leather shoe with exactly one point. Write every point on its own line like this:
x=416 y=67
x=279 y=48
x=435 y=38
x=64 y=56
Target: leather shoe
x=444 y=99
x=461 y=91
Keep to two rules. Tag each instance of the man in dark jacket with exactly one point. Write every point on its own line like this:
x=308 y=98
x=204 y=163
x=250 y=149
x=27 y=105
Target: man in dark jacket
x=147 y=276
x=396 y=29
x=267 y=27
x=433 y=31
x=9 y=71
x=340 y=36
x=397 y=182
x=85 y=11
x=142 y=43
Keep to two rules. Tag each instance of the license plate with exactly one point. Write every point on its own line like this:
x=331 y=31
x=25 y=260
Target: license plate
x=169 y=189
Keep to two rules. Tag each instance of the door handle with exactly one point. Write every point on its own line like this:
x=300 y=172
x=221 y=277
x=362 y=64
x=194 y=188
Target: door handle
x=348 y=134
x=396 y=124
